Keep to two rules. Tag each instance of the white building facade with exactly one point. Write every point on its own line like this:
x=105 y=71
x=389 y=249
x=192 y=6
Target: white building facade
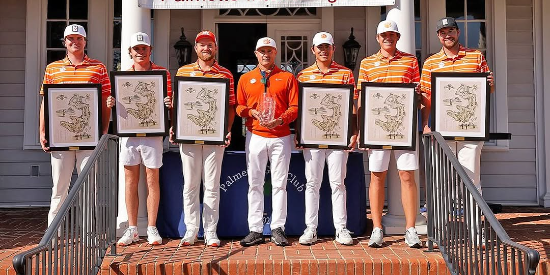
x=511 y=33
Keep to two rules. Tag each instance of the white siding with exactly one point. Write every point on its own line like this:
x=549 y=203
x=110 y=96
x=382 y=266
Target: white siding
x=17 y=187
x=510 y=177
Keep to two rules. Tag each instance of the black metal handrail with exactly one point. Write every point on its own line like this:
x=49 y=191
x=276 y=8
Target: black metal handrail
x=469 y=236
x=85 y=226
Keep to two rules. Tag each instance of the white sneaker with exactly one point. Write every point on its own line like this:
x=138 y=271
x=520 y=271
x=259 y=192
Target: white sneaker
x=309 y=237
x=189 y=238
x=153 y=236
x=211 y=239
x=343 y=236
x=411 y=238
x=130 y=235
x=376 y=237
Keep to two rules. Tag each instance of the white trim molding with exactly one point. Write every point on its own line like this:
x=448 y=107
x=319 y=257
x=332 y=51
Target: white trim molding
x=541 y=34
x=34 y=69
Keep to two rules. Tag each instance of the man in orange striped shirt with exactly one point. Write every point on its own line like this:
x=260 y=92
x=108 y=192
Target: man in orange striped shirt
x=267 y=138
x=142 y=150
x=76 y=67
x=454 y=57
x=204 y=161
x=326 y=70
x=395 y=66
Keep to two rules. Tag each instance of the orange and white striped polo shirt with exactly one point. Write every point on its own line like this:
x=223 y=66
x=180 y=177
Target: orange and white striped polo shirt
x=155 y=67
x=216 y=71
x=466 y=61
x=90 y=71
x=401 y=68
x=337 y=74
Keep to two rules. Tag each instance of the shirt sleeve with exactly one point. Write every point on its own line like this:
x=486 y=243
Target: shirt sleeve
x=363 y=77
x=105 y=81
x=242 y=109
x=292 y=112
x=231 y=90
x=484 y=68
x=415 y=73
x=426 y=79
x=168 y=84
x=46 y=80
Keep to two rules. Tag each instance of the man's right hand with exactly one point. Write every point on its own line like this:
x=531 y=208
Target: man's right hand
x=427 y=129
x=43 y=143
x=255 y=114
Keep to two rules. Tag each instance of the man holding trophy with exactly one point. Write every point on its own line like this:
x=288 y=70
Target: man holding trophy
x=268 y=98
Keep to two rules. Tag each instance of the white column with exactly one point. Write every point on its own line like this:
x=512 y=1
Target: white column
x=394 y=221
x=134 y=19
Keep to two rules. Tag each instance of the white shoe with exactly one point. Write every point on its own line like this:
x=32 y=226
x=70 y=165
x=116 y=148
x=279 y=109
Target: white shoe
x=211 y=239
x=411 y=238
x=130 y=235
x=153 y=236
x=343 y=236
x=309 y=237
x=376 y=237
x=189 y=238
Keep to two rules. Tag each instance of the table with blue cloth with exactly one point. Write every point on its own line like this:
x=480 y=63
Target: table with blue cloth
x=234 y=202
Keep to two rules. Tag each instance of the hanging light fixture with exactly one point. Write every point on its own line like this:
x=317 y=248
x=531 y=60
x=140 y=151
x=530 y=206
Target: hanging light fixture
x=183 y=50
x=351 y=51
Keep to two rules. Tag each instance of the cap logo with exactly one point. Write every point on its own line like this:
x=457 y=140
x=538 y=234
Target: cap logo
x=205 y=33
x=267 y=41
x=75 y=28
x=387 y=25
x=140 y=37
x=445 y=22
x=323 y=35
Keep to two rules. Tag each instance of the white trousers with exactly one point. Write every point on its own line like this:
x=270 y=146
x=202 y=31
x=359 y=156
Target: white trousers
x=258 y=151
x=315 y=164
x=468 y=154
x=63 y=163
x=201 y=162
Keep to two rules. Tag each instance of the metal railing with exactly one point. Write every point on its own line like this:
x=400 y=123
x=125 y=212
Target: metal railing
x=77 y=239
x=469 y=236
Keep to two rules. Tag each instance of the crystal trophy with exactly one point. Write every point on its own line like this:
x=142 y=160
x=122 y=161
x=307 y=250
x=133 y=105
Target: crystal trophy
x=266 y=107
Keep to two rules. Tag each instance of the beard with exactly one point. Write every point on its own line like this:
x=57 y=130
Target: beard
x=206 y=56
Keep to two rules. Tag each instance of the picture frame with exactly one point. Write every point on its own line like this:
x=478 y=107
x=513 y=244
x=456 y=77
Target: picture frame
x=139 y=109
x=201 y=108
x=325 y=115
x=388 y=116
x=460 y=105
x=72 y=116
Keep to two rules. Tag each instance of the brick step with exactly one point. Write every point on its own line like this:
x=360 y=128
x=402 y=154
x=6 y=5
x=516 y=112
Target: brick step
x=325 y=257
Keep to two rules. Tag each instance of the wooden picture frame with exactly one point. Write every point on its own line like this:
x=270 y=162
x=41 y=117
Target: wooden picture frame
x=201 y=107
x=72 y=116
x=139 y=110
x=325 y=113
x=388 y=116
x=460 y=105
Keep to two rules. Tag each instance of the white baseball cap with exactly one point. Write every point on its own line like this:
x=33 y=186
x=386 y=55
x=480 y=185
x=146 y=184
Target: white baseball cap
x=266 y=42
x=140 y=38
x=387 y=26
x=74 y=29
x=323 y=38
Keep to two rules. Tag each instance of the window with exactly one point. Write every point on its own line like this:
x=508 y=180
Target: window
x=61 y=13
x=471 y=20
x=117 y=28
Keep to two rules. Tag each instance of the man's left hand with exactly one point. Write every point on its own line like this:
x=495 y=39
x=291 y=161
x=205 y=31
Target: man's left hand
x=274 y=123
